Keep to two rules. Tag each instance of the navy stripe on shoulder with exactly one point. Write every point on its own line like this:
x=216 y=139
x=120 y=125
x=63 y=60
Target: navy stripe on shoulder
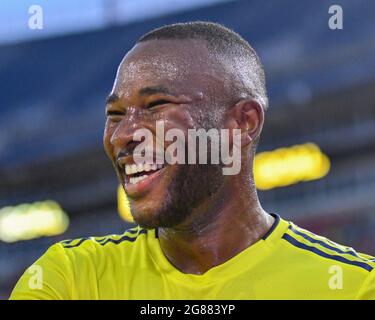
x=67 y=241
x=132 y=231
x=108 y=240
x=301 y=245
x=326 y=245
x=124 y=238
x=77 y=244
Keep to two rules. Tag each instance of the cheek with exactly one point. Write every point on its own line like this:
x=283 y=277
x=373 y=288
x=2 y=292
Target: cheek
x=179 y=118
x=107 y=135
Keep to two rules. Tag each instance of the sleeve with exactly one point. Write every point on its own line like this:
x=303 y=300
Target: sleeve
x=367 y=291
x=49 y=278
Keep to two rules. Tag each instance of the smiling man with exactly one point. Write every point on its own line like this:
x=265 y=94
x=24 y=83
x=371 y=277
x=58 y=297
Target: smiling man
x=201 y=234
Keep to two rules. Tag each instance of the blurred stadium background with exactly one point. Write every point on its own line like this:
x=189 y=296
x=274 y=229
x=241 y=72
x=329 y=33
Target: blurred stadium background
x=53 y=81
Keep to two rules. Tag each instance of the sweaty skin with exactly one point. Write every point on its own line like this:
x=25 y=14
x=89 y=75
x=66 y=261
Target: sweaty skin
x=223 y=213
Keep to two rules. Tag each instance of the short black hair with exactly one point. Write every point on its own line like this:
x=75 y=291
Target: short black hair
x=222 y=41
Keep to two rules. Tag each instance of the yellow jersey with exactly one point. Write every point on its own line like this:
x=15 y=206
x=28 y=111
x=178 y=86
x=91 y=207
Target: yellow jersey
x=287 y=263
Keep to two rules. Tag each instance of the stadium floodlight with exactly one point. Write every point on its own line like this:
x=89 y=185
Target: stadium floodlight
x=286 y=166
x=30 y=221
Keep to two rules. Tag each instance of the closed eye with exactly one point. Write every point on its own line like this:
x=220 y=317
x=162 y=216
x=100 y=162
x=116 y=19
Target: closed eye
x=156 y=103
x=114 y=113
x=114 y=116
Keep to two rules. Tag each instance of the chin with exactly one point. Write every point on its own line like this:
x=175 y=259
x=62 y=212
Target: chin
x=154 y=216
x=146 y=221
x=146 y=215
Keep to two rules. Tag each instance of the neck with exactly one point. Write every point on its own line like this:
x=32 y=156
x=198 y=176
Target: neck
x=219 y=229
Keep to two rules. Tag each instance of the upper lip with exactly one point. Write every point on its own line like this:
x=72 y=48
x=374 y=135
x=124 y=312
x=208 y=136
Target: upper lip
x=124 y=160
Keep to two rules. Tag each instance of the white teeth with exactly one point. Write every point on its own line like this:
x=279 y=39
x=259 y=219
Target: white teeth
x=134 y=180
x=134 y=168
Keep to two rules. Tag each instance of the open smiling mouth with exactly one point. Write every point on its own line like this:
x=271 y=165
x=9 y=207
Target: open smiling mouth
x=139 y=179
x=135 y=173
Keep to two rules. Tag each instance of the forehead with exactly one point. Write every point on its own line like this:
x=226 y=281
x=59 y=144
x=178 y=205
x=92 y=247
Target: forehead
x=175 y=63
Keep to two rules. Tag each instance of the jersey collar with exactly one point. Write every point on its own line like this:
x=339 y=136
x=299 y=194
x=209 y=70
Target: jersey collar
x=244 y=261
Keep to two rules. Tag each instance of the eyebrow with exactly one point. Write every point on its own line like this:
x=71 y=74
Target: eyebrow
x=145 y=91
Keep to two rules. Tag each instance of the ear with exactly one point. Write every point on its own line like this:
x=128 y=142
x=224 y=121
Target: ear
x=248 y=116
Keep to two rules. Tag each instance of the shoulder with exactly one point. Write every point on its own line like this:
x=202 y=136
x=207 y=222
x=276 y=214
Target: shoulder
x=69 y=269
x=129 y=235
x=323 y=250
x=103 y=243
x=337 y=271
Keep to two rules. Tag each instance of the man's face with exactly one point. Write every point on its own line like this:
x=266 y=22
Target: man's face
x=174 y=82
